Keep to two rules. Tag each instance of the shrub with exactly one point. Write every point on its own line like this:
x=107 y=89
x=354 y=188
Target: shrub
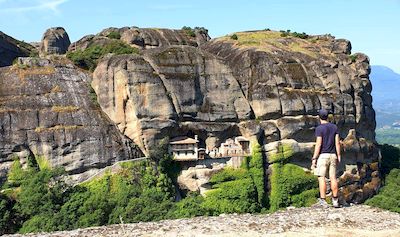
x=288 y=185
x=283 y=155
x=285 y=33
x=306 y=198
x=256 y=169
x=389 y=196
x=201 y=29
x=39 y=223
x=16 y=174
x=238 y=196
x=114 y=35
x=390 y=158
x=93 y=95
x=228 y=174
x=191 y=206
x=234 y=37
x=299 y=35
x=353 y=58
x=87 y=59
x=7 y=223
x=189 y=31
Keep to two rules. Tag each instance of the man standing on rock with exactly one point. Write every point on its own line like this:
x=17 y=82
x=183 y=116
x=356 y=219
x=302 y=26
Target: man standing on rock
x=326 y=157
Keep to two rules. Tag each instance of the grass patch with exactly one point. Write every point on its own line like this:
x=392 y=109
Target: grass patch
x=228 y=174
x=64 y=109
x=24 y=71
x=42 y=162
x=56 y=89
x=57 y=127
x=297 y=47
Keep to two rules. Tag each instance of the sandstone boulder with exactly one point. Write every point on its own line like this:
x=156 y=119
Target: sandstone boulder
x=54 y=41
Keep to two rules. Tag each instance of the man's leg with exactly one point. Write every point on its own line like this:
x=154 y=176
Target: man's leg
x=334 y=186
x=322 y=186
x=334 y=182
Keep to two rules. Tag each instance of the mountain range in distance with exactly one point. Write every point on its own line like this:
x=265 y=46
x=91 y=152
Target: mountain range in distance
x=385 y=94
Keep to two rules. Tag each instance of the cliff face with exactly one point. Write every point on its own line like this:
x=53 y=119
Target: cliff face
x=262 y=85
x=49 y=112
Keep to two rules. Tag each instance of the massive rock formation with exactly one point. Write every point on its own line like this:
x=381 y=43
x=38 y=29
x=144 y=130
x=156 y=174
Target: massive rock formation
x=263 y=85
x=11 y=48
x=48 y=111
x=55 y=41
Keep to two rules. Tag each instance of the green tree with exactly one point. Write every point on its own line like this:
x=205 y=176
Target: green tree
x=389 y=196
x=390 y=158
x=238 y=196
x=257 y=171
x=40 y=193
x=8 y=222
x=190 y=206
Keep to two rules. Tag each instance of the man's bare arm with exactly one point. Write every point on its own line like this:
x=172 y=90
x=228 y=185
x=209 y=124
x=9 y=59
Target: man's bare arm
x=317 y=149
x=337 y=144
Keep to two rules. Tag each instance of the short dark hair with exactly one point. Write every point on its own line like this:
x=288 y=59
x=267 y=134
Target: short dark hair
x=323 y=114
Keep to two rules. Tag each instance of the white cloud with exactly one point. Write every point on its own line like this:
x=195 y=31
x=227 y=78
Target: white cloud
x=168 y=7
x=29 y=6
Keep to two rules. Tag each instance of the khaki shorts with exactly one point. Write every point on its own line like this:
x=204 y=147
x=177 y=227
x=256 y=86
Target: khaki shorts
x=325 y=162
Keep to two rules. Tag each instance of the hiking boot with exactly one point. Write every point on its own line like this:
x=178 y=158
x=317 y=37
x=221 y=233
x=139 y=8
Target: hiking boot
x=321 y=203
x=335 y=202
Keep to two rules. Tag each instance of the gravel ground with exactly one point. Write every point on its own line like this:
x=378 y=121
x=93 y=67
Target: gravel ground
x=359 y=220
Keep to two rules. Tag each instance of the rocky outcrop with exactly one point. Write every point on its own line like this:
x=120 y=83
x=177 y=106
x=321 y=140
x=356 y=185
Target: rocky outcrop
x=264 y=86
x=11 y=48
x=196 y=179
x=165 y=87
x=49 y=111
x=54 y=41
x=352 y=221
x=145 y=38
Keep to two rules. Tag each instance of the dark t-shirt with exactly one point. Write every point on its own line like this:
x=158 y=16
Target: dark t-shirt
x=328 y=132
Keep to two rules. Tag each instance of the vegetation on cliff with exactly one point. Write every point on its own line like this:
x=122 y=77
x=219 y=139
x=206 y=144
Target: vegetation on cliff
x=389 y=196
x=37 y=198
x=290 y=184
x=87 y=59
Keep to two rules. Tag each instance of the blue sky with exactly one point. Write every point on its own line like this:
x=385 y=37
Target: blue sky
x=371 y=25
